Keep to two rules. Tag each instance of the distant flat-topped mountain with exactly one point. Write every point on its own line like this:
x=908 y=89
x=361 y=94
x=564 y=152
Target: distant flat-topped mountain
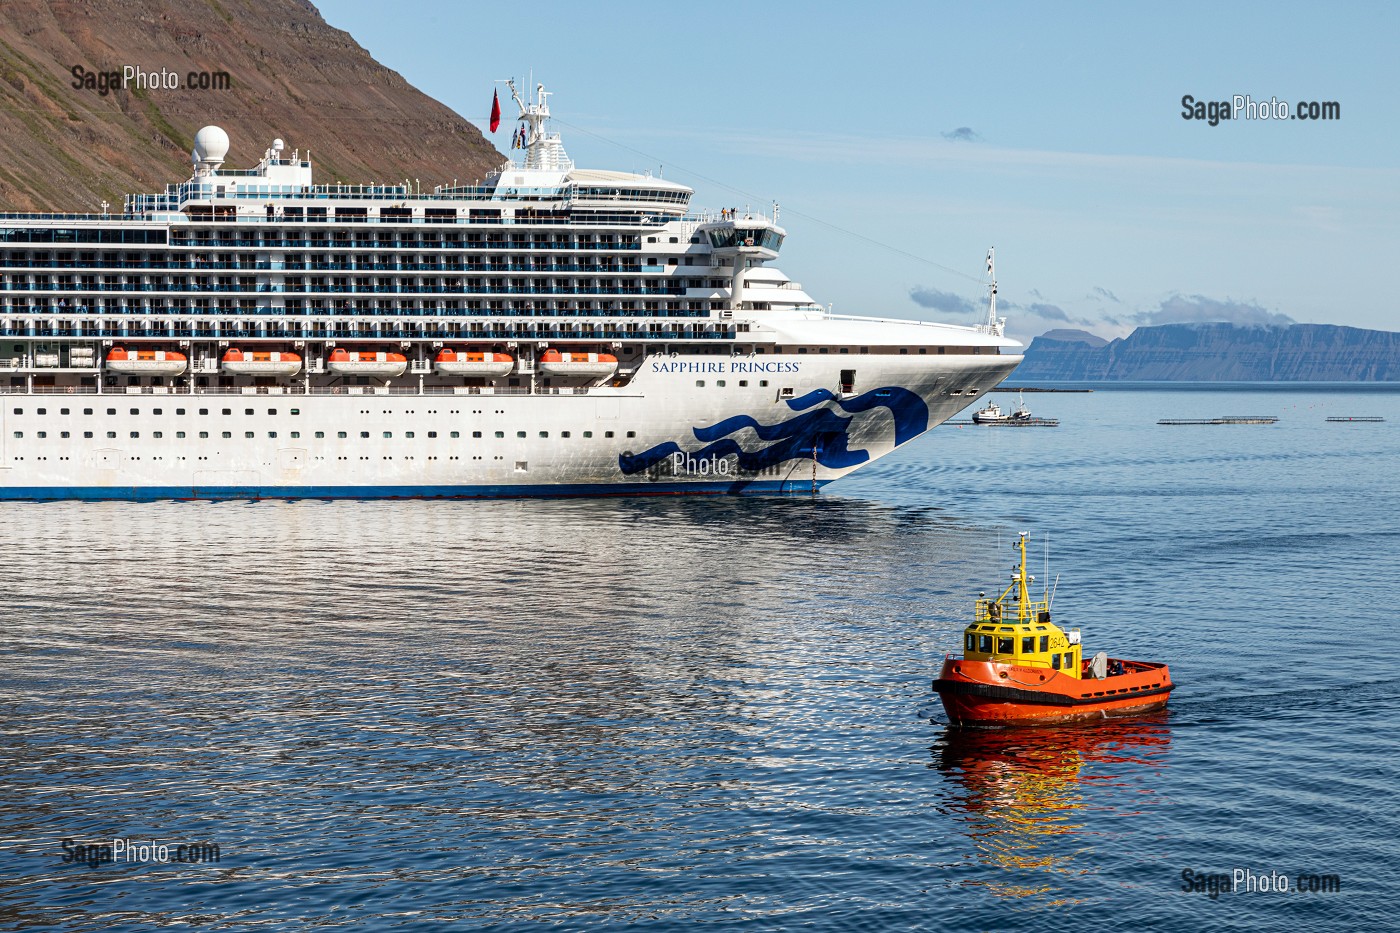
x=66 y=148
x=1219 y=353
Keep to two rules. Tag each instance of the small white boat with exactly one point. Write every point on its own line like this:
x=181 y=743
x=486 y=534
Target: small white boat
x=597 y=365
x=992 y=413
x=146 y=362
x=471 y=363
x=367 y=363
x=261 y=363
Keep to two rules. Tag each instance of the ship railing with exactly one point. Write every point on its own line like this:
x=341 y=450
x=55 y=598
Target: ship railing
x=1010 y=612
x=115 y=391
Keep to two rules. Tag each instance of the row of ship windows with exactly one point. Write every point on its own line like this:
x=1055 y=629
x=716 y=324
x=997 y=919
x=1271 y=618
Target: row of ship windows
x=297 y=412
x=342 y=435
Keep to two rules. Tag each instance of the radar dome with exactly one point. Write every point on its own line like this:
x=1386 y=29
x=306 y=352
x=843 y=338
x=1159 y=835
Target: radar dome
x=210 y=144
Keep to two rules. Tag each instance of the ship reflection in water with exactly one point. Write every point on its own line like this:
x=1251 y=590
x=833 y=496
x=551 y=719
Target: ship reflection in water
x=1021 y=794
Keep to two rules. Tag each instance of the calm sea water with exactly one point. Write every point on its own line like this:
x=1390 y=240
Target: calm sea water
x=669 y=712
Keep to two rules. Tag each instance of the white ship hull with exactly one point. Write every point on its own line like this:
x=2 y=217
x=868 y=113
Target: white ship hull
x=661 y=434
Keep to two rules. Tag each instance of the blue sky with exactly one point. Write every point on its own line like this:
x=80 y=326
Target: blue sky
x=1054 y=133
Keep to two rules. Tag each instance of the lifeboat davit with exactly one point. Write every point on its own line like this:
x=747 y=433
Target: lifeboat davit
x=367 y=363
x=261 y=363
x=597 y=365
x=1020 y=669
x=145 y=362
x=467 y=363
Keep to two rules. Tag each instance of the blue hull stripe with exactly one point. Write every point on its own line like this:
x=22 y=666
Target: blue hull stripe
x=551 y=490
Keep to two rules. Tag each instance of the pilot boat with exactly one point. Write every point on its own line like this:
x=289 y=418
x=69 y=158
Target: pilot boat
x=1018 y=668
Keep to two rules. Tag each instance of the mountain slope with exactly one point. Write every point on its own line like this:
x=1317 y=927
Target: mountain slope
x=293 y=76
x=1222 y=353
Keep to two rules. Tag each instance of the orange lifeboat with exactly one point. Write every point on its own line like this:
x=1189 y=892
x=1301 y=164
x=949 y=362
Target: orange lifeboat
x=261 y=363
x=469 y=363
x=367 y=363
x=145 y=362
x=596 y=365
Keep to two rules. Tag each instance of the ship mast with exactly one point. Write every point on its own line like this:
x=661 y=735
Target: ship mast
x=1023 y=591
x=543 y=150
x=994 y=324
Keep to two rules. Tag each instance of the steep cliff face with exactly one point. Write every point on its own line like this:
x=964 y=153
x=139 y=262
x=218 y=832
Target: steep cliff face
x=1222 y=353
x=291 y=76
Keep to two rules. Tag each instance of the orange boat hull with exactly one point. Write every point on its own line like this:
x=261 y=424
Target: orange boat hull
x=992 y=693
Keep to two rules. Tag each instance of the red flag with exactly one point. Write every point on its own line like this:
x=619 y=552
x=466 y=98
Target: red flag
x=495 y=111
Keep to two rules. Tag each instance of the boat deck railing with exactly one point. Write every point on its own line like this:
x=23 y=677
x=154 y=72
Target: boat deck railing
x=1012 y=612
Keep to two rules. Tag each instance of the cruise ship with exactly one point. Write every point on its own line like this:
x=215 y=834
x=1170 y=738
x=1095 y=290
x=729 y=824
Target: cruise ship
x=551 y=331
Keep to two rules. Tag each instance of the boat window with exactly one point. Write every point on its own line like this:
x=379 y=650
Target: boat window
x=340 y=434
x=228 y=434
x=1044 y=642
x=1069 y=660
x=1006 y=645
x=204 y=434
x=1055 y=661
x=969 y=641
x=984 y=644
x=320 y=433
x=1027 y=644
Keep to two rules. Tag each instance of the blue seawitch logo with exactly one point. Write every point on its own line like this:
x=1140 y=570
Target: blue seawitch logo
x=819 y=434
